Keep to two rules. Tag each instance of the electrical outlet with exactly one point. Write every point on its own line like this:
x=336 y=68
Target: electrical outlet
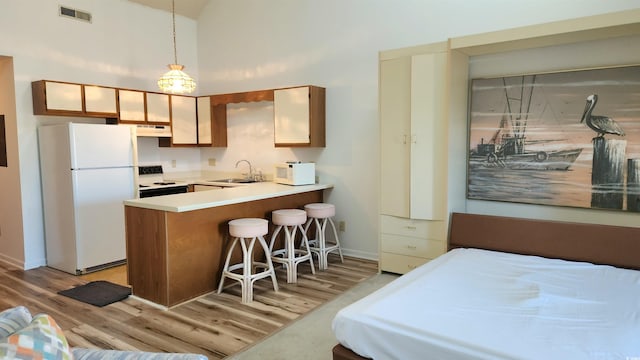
x=341 y=226
x=173 y=163
x=212 y=162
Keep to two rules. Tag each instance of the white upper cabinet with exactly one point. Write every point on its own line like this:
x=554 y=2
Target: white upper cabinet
x=63 y=96
x=299 y=117
x=131 y=106
x=100 y=100
x=291 y=111
x=204 y=121
x=158 y=108
x=184 y=123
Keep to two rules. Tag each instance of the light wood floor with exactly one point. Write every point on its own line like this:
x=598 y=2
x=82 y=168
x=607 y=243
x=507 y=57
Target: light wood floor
x=213 y=325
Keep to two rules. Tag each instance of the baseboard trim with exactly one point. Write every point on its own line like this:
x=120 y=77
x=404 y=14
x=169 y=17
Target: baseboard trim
x=360 y=254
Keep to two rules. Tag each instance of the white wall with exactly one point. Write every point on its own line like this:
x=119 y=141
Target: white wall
x=127 y=45
x=254 y=44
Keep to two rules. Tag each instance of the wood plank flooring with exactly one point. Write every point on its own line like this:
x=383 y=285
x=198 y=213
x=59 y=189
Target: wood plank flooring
x=214 y=325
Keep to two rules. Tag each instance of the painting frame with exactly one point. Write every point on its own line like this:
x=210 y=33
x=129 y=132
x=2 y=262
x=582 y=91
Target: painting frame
x=3 y=142
x=567 y=138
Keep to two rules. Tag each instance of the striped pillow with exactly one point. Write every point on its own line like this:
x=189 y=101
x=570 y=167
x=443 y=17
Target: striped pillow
x=41 y=339
x=14 y=319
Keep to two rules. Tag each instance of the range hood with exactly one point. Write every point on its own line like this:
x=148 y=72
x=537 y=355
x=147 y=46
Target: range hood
x=153 y=130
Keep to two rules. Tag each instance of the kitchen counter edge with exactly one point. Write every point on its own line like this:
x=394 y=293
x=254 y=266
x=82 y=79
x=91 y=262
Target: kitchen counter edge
x=220 y=197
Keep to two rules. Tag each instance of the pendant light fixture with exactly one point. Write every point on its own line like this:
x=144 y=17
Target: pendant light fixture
x=176 y=81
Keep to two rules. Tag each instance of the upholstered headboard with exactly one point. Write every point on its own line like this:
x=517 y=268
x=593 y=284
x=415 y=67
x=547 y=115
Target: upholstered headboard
x=600 y=244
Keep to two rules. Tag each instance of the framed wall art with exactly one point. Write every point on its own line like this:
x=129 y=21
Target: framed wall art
x=566 y=138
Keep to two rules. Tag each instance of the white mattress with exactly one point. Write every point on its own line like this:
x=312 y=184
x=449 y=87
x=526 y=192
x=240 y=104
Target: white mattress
x=478 y=304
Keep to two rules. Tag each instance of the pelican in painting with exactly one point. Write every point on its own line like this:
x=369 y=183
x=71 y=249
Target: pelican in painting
x=598 y=123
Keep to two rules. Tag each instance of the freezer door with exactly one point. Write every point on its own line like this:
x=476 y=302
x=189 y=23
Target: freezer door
x=99 y=213
x=101 y=146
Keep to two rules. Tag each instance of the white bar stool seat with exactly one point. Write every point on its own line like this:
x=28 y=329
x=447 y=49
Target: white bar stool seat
x=290 y=221
x=247 y=231
x=320 y=214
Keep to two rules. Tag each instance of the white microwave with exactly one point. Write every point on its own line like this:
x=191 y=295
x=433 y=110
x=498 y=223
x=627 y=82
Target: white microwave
x=295 y=173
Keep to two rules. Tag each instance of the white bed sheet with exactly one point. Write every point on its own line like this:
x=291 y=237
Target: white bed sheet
x=479 y=304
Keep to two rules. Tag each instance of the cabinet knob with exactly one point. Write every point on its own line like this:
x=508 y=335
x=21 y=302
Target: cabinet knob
x=411 y=227
x=411 y=247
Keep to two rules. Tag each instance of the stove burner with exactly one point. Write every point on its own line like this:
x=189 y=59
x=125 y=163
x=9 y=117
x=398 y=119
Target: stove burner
x=164 y=183
x=143 y=186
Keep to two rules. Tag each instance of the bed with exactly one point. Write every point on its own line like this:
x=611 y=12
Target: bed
x=508 y=288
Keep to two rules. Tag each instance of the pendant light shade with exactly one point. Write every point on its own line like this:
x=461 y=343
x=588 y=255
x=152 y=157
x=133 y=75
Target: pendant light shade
x=176 y=81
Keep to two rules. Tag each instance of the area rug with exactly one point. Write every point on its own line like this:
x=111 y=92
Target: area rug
x=98 y=293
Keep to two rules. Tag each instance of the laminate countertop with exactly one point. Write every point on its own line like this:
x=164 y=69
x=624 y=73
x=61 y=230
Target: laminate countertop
x=220 y=197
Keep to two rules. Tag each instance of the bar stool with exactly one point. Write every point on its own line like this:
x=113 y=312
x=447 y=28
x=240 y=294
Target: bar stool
x=246 y=231
x=290 y=221
x=320 y=214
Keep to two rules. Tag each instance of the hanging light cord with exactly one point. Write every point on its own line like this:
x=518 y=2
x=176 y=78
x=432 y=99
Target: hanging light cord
x=173 y=13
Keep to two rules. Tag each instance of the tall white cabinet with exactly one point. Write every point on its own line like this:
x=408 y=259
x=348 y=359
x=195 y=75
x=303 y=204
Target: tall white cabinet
x=413 y=127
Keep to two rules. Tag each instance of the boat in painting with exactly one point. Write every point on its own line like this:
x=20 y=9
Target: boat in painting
x=507 y=147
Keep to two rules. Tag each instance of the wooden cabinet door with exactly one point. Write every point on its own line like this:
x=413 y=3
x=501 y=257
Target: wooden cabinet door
x=63 y=96
x=158 y=111
x=204 y=121
x=184 y=124
x=100 y=100
x=291 y=115
x=299 y=116
x=131 y=106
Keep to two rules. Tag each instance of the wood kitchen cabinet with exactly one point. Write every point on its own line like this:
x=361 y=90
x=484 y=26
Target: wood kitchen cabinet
x=299 y=117
x=413 y=128
x=131 y=106
x=68 y=99
x=184 y=121
x=158 y=108
x=100 y=101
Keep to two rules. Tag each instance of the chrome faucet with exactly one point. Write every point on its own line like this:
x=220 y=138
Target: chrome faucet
x=250 y=174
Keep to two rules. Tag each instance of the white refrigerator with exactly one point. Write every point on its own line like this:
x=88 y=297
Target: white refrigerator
x=87 y=171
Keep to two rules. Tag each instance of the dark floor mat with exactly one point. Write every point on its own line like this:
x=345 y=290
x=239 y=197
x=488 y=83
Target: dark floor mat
x=98 y=293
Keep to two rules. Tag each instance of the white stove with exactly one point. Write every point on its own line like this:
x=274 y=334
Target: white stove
x=151 y=182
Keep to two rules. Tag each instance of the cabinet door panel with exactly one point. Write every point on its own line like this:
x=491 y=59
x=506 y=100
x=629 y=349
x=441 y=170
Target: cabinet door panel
x=131 y=106
x=158 y=108
x=291 y=115
x=204 y=121
x=428 y=154
x=98 y=99
x=183 y=120
x=62 y=96
x=395 y=127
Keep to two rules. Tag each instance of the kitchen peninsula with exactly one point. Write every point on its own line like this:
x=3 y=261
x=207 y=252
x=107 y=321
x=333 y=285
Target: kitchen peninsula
x=176 y=244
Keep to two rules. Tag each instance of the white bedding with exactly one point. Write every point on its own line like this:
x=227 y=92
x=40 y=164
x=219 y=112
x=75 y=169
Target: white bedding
x=479 y=304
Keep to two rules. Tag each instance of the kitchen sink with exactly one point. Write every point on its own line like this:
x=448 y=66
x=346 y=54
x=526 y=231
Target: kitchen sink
x=234 y=181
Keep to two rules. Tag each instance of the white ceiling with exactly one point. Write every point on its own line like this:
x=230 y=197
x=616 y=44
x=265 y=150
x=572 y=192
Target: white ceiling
x=188 y=8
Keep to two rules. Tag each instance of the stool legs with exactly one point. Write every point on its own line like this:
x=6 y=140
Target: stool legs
x=320 y=246
x=247 y=277
x=290 y=256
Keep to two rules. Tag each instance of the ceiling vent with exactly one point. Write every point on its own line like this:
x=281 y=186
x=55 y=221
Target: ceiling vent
x=75 y=14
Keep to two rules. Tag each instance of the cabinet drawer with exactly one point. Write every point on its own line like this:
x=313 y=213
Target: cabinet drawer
x=399 y=264
x=412 y=227
x=412 y=246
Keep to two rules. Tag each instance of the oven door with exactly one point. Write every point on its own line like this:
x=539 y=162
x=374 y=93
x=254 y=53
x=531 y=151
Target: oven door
x=163 y=191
